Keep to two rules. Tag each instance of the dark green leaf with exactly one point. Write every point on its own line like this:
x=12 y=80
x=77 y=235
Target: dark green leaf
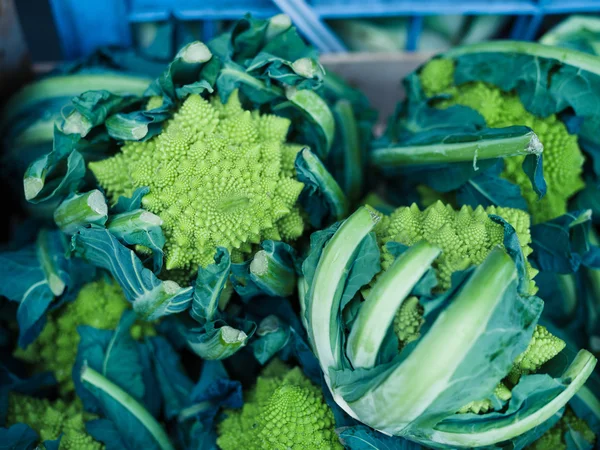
x=219 y=340
x=361 y=437
x=210 y=283
x=322 y=196
x=18 y=437
x=151 y=297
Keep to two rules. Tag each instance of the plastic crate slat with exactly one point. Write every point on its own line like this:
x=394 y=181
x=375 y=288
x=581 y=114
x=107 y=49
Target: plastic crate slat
x=84 y=25
x=311 y=25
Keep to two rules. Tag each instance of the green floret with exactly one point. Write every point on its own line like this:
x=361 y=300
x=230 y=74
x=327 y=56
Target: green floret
x=563 y=159
x=100 y=304
x=284 y=411
x=51 y=419
x=466 y=236
x=502 y=392
x=554 y=438
x=219 y=176
x=543 y=347
x=408 y=321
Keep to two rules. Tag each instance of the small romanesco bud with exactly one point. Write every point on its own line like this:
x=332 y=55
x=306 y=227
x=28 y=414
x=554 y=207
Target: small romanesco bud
x=542 y=348
x=100 y=304
x=50 y=420
x=219 y=176
x=563 y=159
x=483 y=406
x=554 y=438
x=408 y=321
x=154 y=102
x=284 y=411
x=437 y=76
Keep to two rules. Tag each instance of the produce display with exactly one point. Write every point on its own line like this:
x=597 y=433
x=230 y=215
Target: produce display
x=218 y=252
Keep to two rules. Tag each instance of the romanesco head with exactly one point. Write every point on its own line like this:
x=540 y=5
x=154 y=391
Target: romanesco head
x=542 y=348
x=51 y=419
x=483 y=406
x=408 y=321
x=99 y=304
x=563 y=159
x=466 y=236
x=284 y=411
x=219 y=176
x=554 y=438
x=437 y=76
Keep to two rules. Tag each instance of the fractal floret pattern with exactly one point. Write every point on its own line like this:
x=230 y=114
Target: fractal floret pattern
x=99 y=304
x=219 y=176
x=284 y=411
x=563 y=159
x=554 y=439
x=466 y=237
x=52 y=420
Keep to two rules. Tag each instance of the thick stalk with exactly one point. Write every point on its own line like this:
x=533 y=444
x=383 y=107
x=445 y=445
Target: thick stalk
x=328 y=285
x=523 y=143
x=377 y=312
x=100 y=382
x=423 y=376
x=80 y=210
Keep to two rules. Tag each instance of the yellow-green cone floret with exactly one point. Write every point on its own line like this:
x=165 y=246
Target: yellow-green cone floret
x=437 y=76
x=466 y=236
x=219 y=176
x=542 y=348
x=51 y=419
x=484 y=406
x=100 y=304
x=154 y=102
x=284 y=411
x=563 y=159
x=554 y=438
x=408 y=321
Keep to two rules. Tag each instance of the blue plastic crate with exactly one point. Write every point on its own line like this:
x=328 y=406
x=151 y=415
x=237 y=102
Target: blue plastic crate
x=85 y=25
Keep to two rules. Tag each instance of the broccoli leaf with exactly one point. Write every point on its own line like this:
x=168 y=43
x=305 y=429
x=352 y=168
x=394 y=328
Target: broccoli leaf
x=219 y=339
x=18 y=437
x=40 y=277
x=562 y=245
x=151 y=297
x=322 y=196
x=360 y=437
x=489 y=189
x=271 y=271
x=273 y=335
x=173 y=383
x=114 y=354
x=210 y=283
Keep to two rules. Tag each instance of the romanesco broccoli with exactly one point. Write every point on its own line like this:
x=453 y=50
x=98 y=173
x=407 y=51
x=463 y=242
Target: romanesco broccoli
x=542 y=348
x=483 y=406
x=284 y=411
x=466 y=237
x=554 y=438
x=218 y=176
x=51 y=419
x=99 y=304
x=408 y=321
x=563 y=159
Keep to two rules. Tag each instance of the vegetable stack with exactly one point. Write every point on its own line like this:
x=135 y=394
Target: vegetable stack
x=203 y=266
